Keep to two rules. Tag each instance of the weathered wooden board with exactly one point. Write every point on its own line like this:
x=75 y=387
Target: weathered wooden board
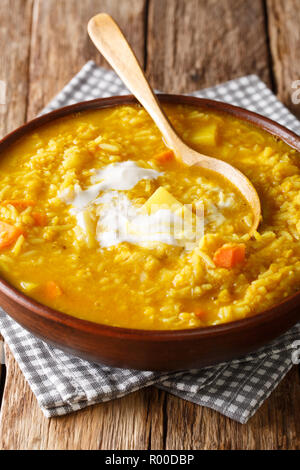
x=132 y=422
x=15 y=31
x=148 y=419
x=60 y=45
x=199 y=43
x=275 y=425
x=284 y=32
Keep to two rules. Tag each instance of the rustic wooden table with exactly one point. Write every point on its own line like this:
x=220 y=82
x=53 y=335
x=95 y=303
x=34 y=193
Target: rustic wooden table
x=184 y=45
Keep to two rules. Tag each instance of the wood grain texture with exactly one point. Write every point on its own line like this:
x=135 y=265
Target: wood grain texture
x=60 y=45
x=284 y=33
x=15 y=30
x=131 y=422
x=148 y=419
x=274 y=426
x=199 y=43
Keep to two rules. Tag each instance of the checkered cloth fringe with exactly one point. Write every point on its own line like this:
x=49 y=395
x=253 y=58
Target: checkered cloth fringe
x=63 y=384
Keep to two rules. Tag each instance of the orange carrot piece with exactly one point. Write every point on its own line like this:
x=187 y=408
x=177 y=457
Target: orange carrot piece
x=200 y=313
x=39 y=219
x=228 y=256
x=19 y=203
x=8 y=234
x=52 y=290
x=165 y=156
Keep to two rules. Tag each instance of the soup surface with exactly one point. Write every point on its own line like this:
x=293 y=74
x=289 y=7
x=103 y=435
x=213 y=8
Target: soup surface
x=98 y=220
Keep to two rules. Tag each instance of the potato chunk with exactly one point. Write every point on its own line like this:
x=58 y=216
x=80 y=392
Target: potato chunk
x=206 y=135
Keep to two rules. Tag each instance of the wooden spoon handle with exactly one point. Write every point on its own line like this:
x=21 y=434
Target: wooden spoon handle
x=110 y=41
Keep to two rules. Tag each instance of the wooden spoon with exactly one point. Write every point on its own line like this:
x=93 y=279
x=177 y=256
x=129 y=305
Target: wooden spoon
x=110 y=41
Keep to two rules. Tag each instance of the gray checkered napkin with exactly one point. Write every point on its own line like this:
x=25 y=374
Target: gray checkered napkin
x=63 y=384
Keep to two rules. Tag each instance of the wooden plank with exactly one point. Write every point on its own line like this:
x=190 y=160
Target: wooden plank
x=138 y=422
x=14 y=61
x=284 y=33
x=200 y=43
x=274 y=426
x=132 y=422
x=60 y=45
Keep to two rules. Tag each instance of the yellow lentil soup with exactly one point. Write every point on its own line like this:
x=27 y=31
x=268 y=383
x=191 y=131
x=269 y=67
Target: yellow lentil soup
x=66 y=191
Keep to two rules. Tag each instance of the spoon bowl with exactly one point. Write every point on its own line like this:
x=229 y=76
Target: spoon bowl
x=110 y=41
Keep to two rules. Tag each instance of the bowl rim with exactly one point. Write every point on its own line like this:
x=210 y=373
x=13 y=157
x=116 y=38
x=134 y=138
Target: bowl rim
x=86 y=326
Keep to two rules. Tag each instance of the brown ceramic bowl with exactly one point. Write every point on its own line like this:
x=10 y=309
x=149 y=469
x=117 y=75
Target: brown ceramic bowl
x=151 y=350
